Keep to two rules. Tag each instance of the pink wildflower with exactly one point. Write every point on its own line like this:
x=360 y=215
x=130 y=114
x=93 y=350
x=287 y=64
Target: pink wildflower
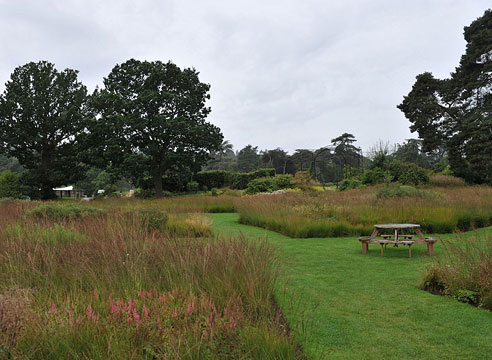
x=95 y=294
x=189 y=310
x=136 y=316
x=232 y=323
x=52 y=310
x=130 y=304
x=175 y=313
x=145 y=311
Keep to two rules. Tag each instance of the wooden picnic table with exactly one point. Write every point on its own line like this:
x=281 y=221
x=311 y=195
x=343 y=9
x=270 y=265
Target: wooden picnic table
x=397 y=238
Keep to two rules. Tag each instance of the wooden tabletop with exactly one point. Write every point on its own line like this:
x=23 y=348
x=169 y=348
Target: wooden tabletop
x=397 y=226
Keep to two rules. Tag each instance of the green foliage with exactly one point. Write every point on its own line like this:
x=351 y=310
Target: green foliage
x=454 y=113
x=192 y=186
x=9 y=185
x=41 y=116
x=376 y=176
x=408 y=173
x=152 y=219
x=348 y=184
x=214 y=178
x=162 y=103
x=269 y=184
x=279 y=160
x=248 y=159
x=241 y=180
x=63 y=211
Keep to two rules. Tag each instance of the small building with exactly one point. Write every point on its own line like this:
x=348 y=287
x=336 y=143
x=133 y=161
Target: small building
x=68 y=191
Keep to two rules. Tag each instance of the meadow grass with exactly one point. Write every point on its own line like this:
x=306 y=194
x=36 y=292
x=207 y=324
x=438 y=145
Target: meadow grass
x=111 y=287
x=354 y=212
x=366 y=307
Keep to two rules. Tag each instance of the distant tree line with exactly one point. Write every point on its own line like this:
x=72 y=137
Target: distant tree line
x=327 y=164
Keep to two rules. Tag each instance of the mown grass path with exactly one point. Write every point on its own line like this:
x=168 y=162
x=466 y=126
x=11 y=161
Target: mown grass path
x=368 y=307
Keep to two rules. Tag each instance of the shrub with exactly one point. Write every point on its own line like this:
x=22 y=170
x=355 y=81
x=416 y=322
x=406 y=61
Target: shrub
x=241 y=180
x=9 y=185
x=284 y=181
x=192 y=186
x=348 y=184
x=213 y=179
x=63 y=212
x=408 y=173
x=376 y=176
x=269 y=184
x=266 y=184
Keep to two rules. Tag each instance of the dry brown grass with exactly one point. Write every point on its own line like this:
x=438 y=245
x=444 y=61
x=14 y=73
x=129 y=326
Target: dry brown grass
x=15 y=312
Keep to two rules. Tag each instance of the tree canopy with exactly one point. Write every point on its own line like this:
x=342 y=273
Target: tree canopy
x=456 y=113
x=41 y=114
x=150 y=118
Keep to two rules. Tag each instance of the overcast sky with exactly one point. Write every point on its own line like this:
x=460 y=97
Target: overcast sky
x=289 y=74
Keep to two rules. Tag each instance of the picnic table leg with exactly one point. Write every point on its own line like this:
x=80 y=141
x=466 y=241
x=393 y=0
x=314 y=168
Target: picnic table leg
x=430 y=248
x=365 y=247
x=419 y=234
x=382 y=250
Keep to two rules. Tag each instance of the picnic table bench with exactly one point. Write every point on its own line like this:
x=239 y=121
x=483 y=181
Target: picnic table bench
x=396 y=238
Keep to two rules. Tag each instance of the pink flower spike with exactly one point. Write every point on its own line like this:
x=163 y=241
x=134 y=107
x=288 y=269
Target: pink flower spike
x=52 y=310
x=90 y=312
x=95 y=294
x=135 y=314
x=232 y=323
x=145 y=311
x=175 y=313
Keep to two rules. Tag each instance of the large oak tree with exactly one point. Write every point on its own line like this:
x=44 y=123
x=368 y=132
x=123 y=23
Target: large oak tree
x=41 y=115
x=150 y=118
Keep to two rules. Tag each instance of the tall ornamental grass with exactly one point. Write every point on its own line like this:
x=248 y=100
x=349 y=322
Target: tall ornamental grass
x=354 y=212
x=463 y=271
x=108 y=287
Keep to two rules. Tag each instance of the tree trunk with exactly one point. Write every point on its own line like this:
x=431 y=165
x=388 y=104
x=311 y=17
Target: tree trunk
x=46 y=185
x=157 y=178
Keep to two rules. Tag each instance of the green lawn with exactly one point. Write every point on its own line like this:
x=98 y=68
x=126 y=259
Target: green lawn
x=368 y=307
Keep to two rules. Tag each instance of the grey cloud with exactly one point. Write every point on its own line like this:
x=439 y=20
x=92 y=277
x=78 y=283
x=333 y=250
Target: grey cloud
x=290 y=74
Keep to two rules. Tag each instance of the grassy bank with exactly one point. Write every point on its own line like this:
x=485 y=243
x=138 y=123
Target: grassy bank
x=368 y=307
